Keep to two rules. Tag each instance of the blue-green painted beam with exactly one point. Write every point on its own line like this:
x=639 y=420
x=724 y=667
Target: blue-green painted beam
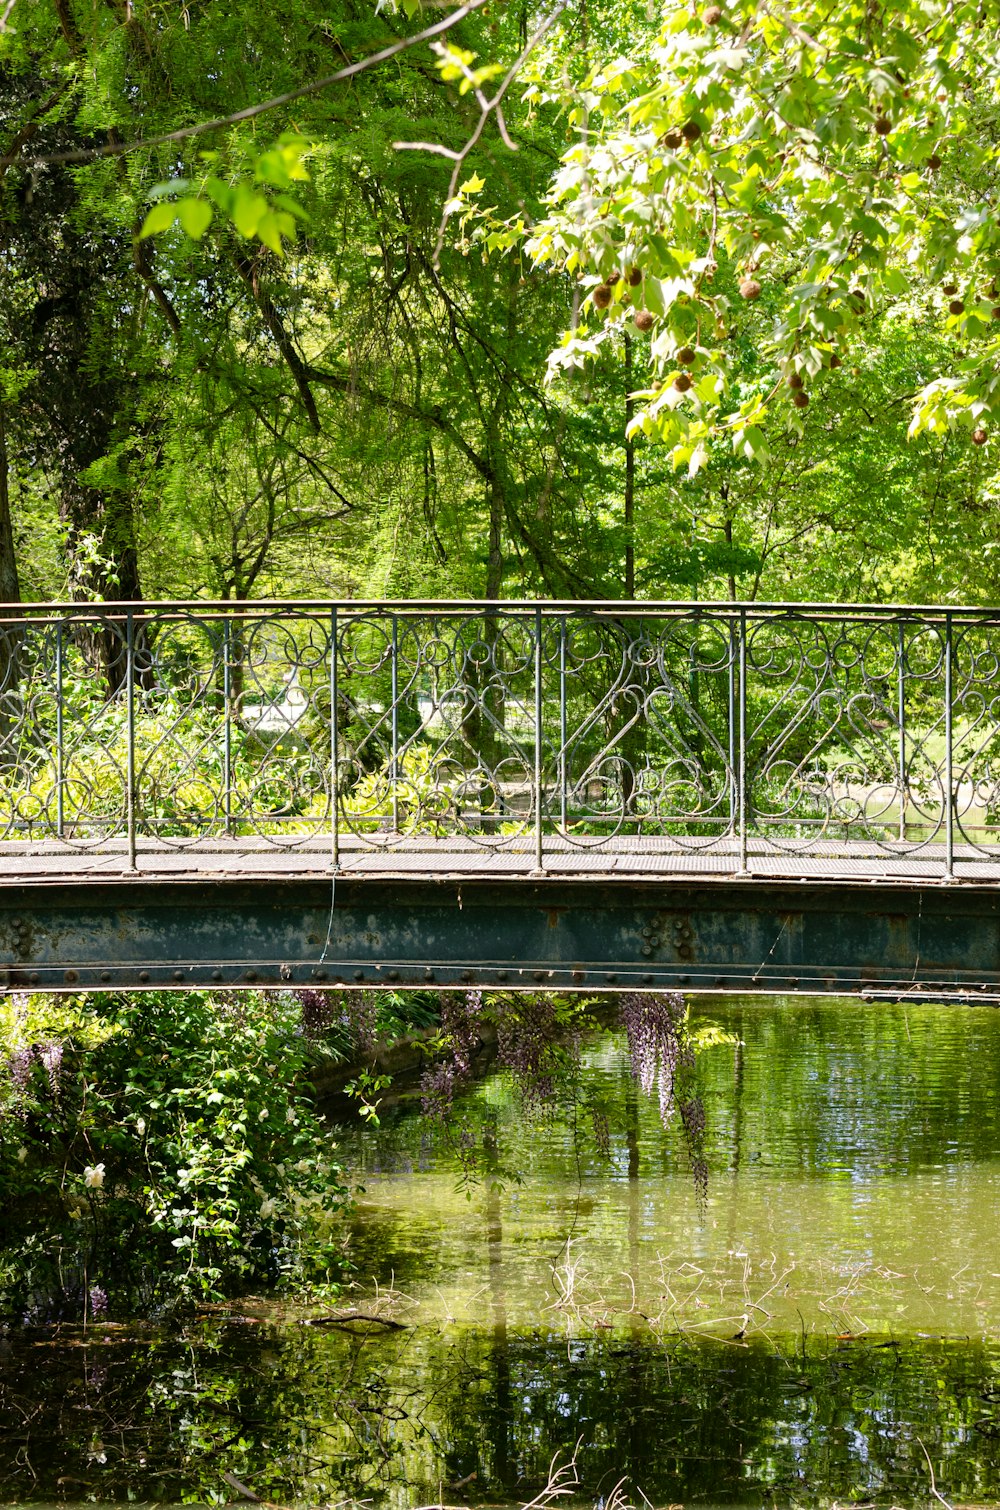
x=769 y=936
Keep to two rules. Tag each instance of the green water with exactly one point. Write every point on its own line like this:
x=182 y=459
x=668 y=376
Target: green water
x=817 y=1330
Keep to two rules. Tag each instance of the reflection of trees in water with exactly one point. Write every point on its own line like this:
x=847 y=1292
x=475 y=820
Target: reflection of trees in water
x=809 y=1086
x=865 y=1088
x=298 y=1414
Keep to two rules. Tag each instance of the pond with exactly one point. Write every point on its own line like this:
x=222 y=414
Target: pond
x=824 y=1326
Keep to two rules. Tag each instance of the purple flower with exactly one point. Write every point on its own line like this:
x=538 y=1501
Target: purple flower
x=51 y=1055
x=662 y=1053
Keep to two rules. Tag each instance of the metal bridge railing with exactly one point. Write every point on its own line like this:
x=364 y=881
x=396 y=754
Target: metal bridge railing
x=808 y=729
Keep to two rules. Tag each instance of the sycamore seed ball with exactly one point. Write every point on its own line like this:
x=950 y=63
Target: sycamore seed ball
x=686 y=356
x=835 y=361
x=883 y=125
x=979 y=437
x=602 y=296
x=682 y=382
x=800 y=399
x=643 y=320
x=712 y=15
x=634 y=277
x=690 y=131
x=934 y=162
x=794 y=380
x=956 y=307
x=672 y=139
x=949 y=288
x=750 y=289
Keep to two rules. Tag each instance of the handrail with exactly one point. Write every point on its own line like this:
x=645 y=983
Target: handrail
x=619 y=607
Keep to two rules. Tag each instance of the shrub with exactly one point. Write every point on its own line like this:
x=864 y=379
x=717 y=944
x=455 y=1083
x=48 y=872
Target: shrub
x=158 y=1149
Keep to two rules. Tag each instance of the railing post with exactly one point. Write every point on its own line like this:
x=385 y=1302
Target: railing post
x=538 y=737
x=130 y=735
x=60 y=768
x=731 y=727
x=949 y=824
x=741 y=787
x=227 y=728
x=562 y=724
x=334 y=746
x=901 y=699
x=395 y=725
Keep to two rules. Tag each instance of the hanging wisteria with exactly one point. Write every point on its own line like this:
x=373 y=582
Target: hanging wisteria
x=662 y=1055
x=460 y=1013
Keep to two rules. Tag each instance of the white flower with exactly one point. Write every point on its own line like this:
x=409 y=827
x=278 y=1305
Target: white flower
x=267 y=1208
x=292 y=1116
x=262 y=1114
x=141 y=1126
x=22 y=1154
x=93 y=1176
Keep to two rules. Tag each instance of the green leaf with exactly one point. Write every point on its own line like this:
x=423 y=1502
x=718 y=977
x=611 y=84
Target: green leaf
x=247 y=211
x=269 y=229
x=160 y=218
x=194 y=216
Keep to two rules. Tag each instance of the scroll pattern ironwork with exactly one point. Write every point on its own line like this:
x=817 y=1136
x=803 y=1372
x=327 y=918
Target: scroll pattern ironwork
x=509 y=726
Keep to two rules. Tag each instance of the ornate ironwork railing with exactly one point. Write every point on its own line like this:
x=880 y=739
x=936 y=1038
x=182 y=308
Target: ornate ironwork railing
x=513 y=726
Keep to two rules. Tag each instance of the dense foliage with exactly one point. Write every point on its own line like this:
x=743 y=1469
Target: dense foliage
x=158 y=1149
x=242 y=358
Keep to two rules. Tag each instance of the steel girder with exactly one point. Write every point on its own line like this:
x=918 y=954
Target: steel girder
x=760 y=936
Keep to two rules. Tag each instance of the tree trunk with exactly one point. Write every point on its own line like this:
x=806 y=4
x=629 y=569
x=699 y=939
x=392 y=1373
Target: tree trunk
x=629 y=476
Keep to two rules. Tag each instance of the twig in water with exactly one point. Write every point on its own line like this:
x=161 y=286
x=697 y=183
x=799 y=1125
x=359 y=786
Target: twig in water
x=930 y=1470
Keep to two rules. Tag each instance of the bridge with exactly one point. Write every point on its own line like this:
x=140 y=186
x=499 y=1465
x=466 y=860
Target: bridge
x=767 y=797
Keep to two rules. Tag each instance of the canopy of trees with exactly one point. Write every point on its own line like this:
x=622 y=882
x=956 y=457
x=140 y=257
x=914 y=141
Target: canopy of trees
x=575 y=300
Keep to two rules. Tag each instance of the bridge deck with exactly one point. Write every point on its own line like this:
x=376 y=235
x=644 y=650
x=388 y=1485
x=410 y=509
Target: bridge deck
x=454 y=858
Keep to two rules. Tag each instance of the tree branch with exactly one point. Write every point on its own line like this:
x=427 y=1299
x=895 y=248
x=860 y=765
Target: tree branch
x=119 y=149
x=486 y=109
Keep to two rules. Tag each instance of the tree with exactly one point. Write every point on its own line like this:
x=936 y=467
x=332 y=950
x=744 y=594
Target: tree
x=784 y=175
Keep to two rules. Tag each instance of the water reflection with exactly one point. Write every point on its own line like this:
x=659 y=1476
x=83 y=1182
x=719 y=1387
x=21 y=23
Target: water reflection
x=832 y=1313
x=412 y=1417
x=855 y=1178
